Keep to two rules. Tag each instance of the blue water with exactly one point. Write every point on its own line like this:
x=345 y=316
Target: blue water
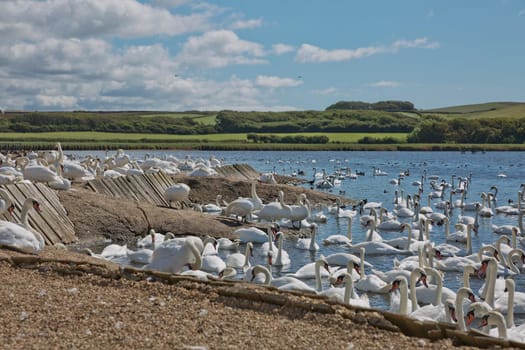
x=483 y=168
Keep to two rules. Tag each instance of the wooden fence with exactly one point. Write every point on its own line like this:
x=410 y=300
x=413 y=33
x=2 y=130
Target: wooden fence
x=52 y=222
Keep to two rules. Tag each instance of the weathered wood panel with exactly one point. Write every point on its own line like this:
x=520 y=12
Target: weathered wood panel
x=52 y=222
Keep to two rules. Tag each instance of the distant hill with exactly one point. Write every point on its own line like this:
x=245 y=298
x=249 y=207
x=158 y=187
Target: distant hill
x=483 y=110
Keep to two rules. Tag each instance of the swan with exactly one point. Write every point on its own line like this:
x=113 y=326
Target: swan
x=495 y=318
x=178 y=192
x=143 y=255
x=308 y=271
x=377 y=248
x=401 y=304
x=341 y=239
x=172 y=256
x=433 y=294
x=227 y=244
x=459 y=236
x=22 y=237
x=485 y=211
x=405 y=242
x=308 y=243
x=462 y=294
x=212 y=263
x=240 y=207
x=36 y=173
x=347 y=295
x=257 y=202
x=268 y=246
x=299 y=212
x=6 y=204
x=214 y=207
x=282 y=256
x=371 y=282
x=227 y=273
x=150 y=238
x=239 y=260
x=510 y=302
x=275 y=210
x=428 y=208
x=372 y=235
x=251 y=234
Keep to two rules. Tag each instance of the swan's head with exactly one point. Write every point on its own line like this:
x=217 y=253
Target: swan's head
x=422 y=279
x=449 y=304
x=11 y=209
x=395 y=285
x=36 y=205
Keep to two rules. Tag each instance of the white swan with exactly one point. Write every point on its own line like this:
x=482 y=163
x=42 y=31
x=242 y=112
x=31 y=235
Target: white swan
x=309 y=243
x=347 y=295
x=178 y=192
x=227 y=244
x=6 y=203
x=172 y=256
x=142 y=255
x=22 y=237
x=299 y=212
x=251 y=234
x=239 y=260
x=240 y=207
x=283 y=259
x=340 y=239
x=511 y=302
x=275 y=210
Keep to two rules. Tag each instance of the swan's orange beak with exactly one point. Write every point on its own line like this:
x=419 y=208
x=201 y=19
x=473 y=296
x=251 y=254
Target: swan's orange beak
x=484 y=321
x=11 y=209
x=470 y=318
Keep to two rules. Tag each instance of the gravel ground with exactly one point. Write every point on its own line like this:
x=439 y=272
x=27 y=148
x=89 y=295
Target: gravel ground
x=65 y=300
x=51 y=304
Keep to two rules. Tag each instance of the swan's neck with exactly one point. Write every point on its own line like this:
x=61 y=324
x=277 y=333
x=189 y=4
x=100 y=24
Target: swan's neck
x=509 y=283
x=497 y=319
x=247 y=257
x=459 y=309
x=447 y=228
x=413 y=296
x=318 y=285
x=280 y=250
x=403 y=301
x=349 y=231
x=349 y=290
x=490 y=283
x=362 y=264
x=469 y=240
x=197 y=255
x=312 y=239
x=28 y=204
x=439 y=288
x=267 y=276
x=409 y=236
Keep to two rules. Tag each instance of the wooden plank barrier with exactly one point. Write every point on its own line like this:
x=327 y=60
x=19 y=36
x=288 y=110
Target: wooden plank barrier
x=52 y=222
x=147 y=187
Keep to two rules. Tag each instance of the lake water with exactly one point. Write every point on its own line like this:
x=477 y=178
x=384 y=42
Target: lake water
x=502 y=169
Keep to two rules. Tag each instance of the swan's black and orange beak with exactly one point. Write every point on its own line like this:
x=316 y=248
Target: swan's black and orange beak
x=327 y=267
x=338 y=281
x=395 y=285
x=36 y=206
x=470 y=317
x=453 y=313
x=357 y=268
x=472 y=297
x=11 y=209
x=484 y=321
x=423 y=280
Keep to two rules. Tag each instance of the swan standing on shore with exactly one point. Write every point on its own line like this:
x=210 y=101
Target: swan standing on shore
x=22 y=237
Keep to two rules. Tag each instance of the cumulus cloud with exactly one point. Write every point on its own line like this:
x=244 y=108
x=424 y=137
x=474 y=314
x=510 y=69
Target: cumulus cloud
x=220 y=48
x=275 y=82
x=280 y=49
x=385 y=83
x=312 y=54
x=328 y=91
x=245 y=24
x=93 y=18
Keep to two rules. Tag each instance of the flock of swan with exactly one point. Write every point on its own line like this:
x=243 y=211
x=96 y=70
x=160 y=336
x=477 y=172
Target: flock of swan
x=424 y=234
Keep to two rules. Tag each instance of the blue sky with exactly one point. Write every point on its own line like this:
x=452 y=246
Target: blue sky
x=258 y=55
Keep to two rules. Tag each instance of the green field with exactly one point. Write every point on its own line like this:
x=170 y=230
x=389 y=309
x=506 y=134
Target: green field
x=80 y=136
x=483 y=110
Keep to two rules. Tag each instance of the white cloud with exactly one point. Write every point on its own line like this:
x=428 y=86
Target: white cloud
x=220 y=48
x=385 y=83
x=521 y=13
x=328 y=91
x=93 y=18
x=169 y=3
x=280 y=49
x=251 y=23
x=275 y=82
x=309 y=53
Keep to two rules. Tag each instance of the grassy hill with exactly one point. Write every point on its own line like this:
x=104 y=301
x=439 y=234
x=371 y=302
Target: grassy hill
x=483 y=110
